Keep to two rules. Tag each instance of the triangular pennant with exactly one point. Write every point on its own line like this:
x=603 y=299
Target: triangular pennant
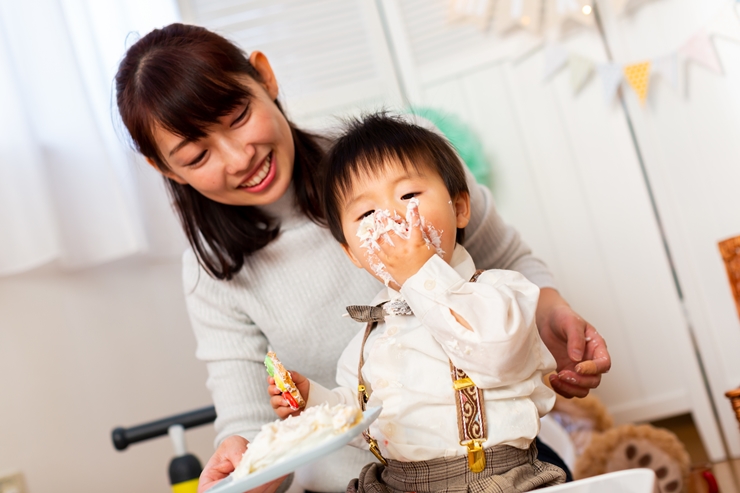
x=555 y=58
x=667 y=67
x=701 y=50
x=510 y=14
x=580 y=70
x=611 y=77
x=638 y=77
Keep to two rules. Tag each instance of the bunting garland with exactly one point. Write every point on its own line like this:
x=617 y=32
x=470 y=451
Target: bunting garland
x=556 y=16
x=637 y=76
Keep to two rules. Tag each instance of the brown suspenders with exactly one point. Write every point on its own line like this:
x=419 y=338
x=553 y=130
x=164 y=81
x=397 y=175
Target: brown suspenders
x=471 y=415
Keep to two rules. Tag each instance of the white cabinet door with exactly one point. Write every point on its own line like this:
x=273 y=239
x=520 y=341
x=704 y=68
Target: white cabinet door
x=690 y=142
x=567 y=174
x=330 y=56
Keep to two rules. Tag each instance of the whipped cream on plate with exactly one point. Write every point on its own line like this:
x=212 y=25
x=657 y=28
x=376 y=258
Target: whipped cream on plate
x=281 y=440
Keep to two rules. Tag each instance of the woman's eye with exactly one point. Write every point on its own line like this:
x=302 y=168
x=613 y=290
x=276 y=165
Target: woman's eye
x=198 y=159
x=241 y=116
x=409 y=196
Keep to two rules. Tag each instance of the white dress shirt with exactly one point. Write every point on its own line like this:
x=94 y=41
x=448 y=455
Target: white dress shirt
x=407 y=367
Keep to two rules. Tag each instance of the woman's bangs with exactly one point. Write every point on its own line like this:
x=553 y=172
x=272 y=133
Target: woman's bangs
x=197 y=101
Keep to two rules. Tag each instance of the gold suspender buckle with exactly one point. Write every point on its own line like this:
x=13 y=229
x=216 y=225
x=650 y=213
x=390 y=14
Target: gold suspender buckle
x=361 y=390
x=462 y=383
x=376 y=451
x=476 y=455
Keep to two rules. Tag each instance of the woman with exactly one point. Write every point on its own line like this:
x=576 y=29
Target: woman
x=262 y=270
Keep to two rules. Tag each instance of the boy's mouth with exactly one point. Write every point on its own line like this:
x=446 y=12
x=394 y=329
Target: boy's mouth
x=260 y=174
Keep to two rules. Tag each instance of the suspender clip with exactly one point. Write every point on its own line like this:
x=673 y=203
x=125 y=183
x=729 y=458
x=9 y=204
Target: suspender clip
x=476 y=455
x=376 y=451
x=462 y=383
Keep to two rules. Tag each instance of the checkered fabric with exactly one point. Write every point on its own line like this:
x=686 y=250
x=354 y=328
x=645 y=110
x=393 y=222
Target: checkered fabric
x=508 y=470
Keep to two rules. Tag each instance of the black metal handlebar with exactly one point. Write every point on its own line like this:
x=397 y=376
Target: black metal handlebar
x=123 y=437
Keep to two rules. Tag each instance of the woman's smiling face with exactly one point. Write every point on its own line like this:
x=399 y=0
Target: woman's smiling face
x=246 y=158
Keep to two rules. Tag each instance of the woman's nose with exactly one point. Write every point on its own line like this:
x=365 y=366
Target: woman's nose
x=237 y=155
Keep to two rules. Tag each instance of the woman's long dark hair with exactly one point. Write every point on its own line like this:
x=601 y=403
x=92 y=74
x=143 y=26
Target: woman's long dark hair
x=184 y=78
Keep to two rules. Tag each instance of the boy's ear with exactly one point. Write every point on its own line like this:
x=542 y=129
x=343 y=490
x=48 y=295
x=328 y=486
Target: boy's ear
x=351 y=256
x=169 y=174
x=269 y=82
x=462 y=209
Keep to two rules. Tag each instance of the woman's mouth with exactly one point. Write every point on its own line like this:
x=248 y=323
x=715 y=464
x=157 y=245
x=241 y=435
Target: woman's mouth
x=260 y=178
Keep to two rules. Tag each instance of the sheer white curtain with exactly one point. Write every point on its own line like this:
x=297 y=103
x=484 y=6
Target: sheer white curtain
x=71 y=191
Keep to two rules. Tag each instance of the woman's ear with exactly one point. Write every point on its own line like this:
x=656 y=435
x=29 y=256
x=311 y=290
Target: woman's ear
x=462 y=209
x=351 y=256
x=262 y=65
x=167 y=173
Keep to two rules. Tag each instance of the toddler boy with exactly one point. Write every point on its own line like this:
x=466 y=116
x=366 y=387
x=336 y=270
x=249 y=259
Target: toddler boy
x=452 y=354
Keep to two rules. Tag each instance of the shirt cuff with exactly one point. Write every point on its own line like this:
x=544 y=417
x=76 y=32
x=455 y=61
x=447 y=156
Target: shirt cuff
x=318 y=394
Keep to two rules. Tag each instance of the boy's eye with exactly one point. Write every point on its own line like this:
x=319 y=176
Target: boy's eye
x=409 y=196
x=363 y=216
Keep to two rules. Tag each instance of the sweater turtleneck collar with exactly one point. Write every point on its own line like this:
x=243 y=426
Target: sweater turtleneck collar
x=286 y=210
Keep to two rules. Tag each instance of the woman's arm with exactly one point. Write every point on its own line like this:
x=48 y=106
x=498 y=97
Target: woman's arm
x=233 y=349
x=495 y=245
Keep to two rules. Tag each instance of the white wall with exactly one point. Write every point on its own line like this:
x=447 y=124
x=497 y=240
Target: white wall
x=82 y=353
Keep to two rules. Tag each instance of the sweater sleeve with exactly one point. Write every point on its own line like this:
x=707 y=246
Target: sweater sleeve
x=491 y=242
x=233 y=349
x=499 y=308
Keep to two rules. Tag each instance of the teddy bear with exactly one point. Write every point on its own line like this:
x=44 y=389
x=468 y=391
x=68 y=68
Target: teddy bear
x=600 y=447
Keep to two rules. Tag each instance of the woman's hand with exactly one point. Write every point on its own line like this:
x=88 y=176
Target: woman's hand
x=580 y=352
x=279 y=404
x=224 y=461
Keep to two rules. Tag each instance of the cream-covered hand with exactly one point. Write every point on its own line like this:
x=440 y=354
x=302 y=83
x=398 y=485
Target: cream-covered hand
x=404 y=257
x=279 y=404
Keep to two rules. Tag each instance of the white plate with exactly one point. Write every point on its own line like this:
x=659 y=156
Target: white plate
x=283 y=467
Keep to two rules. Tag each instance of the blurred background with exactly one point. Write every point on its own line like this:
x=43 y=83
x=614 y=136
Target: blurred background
x=610 y=132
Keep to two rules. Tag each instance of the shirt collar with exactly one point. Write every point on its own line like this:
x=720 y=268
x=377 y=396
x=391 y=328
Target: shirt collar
x=461 y=261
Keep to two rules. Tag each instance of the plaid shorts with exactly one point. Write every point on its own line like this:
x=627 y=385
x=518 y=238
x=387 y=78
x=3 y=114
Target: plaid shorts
x=508 y=470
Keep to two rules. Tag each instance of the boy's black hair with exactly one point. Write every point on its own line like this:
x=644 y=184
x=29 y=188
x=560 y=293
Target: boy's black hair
x=367 y=146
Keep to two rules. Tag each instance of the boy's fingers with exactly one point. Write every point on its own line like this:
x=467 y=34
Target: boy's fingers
x=415 y=225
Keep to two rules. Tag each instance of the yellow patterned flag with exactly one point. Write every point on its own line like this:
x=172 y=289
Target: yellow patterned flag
x=638 y=77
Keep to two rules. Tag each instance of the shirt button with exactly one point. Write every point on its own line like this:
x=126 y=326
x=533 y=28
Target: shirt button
x=381 y=384
x=392 y=330
x=429 y=284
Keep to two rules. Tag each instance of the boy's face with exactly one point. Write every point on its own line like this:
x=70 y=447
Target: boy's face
x=391 y=190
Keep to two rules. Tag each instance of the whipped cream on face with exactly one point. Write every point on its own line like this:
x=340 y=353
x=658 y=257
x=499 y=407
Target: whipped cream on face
x=281 y=440
x=381 y=222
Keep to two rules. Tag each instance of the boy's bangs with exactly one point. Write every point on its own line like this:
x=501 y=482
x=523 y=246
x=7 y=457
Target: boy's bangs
x=374 y=161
